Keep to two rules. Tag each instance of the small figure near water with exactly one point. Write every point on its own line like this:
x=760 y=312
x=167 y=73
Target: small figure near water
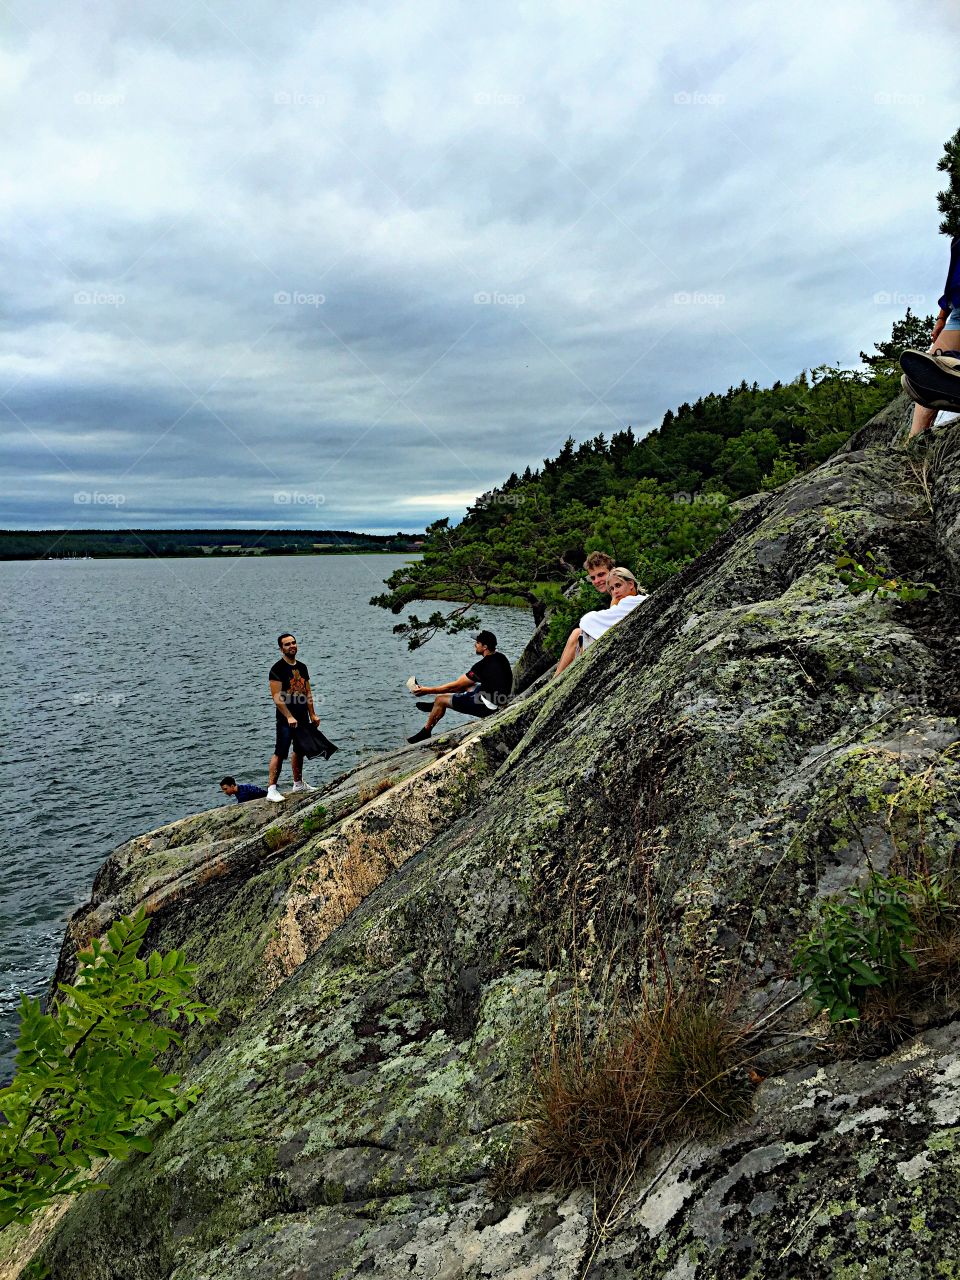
x=241 y=791
x=624 y=598
x=292 y=696
x=597 y=565
x=484 y=689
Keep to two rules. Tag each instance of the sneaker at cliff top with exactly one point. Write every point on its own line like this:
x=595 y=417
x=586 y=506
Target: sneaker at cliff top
x=930 y=362
x=274 y=794
x=932 y=380
x=303 y=786
x=929 y=400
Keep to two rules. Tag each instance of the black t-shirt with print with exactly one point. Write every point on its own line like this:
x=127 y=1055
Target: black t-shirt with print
x=494 y=676
x=293 y=677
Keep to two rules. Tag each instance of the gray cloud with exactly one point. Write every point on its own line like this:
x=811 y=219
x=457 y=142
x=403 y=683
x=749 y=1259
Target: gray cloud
x=389 y=255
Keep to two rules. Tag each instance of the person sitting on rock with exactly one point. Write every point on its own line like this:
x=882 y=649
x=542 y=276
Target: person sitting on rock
x=946 y=333
x=483 y=690
x=242 y=791
x=597 y=565
x=624 y=597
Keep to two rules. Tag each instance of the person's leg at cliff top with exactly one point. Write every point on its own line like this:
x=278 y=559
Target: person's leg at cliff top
x=946 y=332
x=597 y=564
x=281 y=750
x=946 y=337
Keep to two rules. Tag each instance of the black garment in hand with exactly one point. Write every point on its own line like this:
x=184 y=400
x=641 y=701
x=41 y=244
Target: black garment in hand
x=309 y=741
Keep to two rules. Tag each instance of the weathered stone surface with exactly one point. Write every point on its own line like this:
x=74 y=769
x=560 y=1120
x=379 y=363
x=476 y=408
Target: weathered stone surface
x=747 y=741
x=846 y=1171
x=270 y=882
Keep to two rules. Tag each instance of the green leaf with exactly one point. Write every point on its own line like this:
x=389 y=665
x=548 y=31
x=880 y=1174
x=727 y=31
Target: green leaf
x=865 y=974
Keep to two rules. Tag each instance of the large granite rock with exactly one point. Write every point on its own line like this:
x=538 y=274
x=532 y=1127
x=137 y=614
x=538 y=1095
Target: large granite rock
x=747 y=741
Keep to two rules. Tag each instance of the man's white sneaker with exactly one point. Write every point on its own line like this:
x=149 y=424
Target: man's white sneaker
x=303 y=786
x=274 y=794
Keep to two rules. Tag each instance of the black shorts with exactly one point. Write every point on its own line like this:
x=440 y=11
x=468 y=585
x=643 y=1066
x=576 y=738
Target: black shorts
x=469 y=704
x=284 y=738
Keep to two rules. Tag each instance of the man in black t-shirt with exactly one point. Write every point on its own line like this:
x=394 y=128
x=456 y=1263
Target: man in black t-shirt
x=482 y=691
x=290 y=691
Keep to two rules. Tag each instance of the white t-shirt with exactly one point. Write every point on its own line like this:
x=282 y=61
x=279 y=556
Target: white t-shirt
x=595 y=623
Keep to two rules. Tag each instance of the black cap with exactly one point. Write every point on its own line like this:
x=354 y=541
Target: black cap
x=487 y=639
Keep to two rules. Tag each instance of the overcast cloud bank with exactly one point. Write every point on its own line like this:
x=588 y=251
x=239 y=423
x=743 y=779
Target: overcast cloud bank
x=373 y=260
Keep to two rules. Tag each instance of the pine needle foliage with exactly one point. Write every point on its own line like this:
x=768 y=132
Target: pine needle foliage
x=948 y=201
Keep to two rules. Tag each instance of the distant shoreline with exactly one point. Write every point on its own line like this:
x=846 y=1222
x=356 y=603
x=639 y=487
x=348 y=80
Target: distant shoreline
x=147 y=544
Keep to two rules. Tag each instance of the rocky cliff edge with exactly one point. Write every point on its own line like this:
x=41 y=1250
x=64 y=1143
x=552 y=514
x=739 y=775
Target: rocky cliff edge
x=389 y=956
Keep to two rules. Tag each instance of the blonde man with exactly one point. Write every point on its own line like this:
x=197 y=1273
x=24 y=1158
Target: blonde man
x=597 y=566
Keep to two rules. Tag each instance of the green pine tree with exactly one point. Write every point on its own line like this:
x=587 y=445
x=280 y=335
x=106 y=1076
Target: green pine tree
x=949 y=200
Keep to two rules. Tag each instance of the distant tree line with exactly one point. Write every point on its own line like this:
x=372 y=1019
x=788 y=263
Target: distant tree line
x=42 y=544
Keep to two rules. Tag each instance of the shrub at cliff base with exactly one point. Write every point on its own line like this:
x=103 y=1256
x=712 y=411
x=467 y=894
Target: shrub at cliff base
x=87 y=1085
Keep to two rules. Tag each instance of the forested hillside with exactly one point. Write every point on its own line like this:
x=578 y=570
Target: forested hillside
x=655 y=503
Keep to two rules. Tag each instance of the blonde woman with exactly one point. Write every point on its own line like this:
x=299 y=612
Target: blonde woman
x=624 y=597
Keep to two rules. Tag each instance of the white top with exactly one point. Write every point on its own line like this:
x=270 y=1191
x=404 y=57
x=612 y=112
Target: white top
x=595 y=623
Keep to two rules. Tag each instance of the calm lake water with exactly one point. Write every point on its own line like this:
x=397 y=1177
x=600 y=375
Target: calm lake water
x=133 y=686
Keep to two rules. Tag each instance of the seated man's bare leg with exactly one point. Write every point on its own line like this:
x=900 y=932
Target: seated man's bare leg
x=923 y=419
x=440 y=704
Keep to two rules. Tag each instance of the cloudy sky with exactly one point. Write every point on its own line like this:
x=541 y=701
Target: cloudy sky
x=348 y=266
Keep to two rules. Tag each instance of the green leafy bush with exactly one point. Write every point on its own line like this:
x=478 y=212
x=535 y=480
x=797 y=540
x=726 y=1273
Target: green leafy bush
x=278 y=837
x=869 y=575
x=861 y=941
x=87 y=1084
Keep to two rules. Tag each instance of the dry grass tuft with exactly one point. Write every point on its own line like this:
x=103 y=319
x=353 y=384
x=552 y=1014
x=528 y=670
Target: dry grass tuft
x=366 y=794
x=675 y=1070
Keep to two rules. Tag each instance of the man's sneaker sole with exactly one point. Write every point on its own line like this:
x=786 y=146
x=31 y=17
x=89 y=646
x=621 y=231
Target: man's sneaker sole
x=928 y=382
x=925 y=399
